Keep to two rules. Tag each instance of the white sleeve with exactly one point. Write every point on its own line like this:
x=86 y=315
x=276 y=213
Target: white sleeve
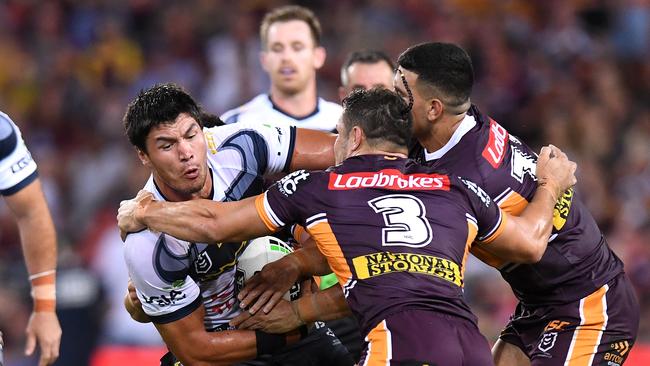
x=159 y=266
x=267 y=147
x=17 y=168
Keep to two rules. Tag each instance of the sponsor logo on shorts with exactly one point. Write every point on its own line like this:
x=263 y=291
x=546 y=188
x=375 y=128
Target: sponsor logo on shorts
x=376 y=264
x=618 y=353
x=496 y=146
x=556 y=325
x=547 y=342
x=562 y=209
x=288 y=185
x=390 y=179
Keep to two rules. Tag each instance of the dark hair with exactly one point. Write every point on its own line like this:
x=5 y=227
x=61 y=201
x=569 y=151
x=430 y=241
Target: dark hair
x=288 y=13
x=160 y=104
x=381 y=114
x=441 y=67
x=364 y=57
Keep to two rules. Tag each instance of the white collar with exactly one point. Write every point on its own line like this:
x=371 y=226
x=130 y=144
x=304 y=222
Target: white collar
x=467 y=124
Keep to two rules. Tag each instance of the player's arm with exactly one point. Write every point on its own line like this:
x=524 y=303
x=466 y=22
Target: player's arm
x=188 y=340
x=38 y=239
x=524 y=238
x=323 y=305
x=202 y=221
x=266 y=288
x=313 y=150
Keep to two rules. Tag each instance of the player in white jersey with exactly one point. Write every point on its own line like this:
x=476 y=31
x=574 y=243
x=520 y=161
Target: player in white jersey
x=291 y=55
x=188 y=290
x=21 y=188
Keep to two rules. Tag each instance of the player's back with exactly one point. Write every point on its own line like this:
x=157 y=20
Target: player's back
x=262 y=108
x=396 y=233
x=577 y=261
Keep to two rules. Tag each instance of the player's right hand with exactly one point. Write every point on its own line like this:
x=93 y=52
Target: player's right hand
x=127 y=219
x=134 y=306
x=266 y=288
x=555 y=171
x=43 y=328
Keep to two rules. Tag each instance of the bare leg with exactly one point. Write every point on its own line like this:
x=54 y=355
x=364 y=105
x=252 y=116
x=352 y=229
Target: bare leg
x=506 y=354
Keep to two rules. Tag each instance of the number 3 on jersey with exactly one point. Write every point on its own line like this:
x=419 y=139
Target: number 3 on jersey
x=405 y=220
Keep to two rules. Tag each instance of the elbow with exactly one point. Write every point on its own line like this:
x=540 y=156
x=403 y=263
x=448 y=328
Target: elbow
x=534 y=253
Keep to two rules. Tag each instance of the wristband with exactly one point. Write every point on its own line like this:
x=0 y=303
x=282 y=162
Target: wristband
x=269 y=343
x=44 y=291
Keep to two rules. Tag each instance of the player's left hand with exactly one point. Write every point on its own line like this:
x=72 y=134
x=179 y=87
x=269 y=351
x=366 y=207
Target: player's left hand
x=281 y=319
x=127 y=219
x=43 y=328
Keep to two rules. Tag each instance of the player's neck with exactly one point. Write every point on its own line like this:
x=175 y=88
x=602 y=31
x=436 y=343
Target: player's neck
x=298 y=105
x=441 y=132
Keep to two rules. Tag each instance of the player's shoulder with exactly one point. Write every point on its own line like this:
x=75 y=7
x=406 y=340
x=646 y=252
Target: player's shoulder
x=8 y=135
x=259 y=103
x=330 y=108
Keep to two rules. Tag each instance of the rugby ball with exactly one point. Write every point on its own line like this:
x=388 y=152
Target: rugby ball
x=257 y=254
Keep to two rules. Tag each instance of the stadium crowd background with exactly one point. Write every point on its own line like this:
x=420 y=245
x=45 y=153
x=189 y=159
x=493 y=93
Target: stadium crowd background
x=568 y=72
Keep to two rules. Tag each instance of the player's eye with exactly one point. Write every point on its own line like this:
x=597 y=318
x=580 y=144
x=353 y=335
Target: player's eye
x=298 y=46
x=165 y=147
x=277 y=48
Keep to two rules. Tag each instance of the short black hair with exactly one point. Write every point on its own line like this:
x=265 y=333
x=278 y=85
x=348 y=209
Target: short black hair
x=382 y=115
x=364 y=57
x=444 y=67
x=160 y=104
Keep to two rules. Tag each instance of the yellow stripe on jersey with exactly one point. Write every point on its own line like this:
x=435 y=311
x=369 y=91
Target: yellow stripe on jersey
x=379 y=346
x=593 y=320
x=329 y=246
x=261 y=211
x=376 y=264
x=210 y=140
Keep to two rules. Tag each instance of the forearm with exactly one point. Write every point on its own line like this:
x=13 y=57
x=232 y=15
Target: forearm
x=310 y=262
x=324 y=305
x=189 y=220
x=538 y=215
x=39 y=243
x=229 y=347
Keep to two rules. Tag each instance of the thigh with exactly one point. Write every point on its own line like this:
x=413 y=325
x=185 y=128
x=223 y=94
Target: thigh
x=419 y=337
x=508 y=354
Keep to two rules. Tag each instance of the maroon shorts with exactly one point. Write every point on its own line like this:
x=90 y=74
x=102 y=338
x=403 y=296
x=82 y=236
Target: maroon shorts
x=418 y=337
x=598 y=329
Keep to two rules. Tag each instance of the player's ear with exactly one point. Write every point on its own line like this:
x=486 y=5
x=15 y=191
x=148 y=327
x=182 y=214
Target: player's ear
x=319 y=57
x=264 y=61
x=435 y=109
x=357 y=137
x=342 y=93
x=144 y=158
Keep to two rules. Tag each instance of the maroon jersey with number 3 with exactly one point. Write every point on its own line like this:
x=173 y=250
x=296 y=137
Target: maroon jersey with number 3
x=396 y=233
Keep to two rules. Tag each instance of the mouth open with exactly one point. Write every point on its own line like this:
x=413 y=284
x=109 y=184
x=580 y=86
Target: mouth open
x=191 y=173
x=287 y=71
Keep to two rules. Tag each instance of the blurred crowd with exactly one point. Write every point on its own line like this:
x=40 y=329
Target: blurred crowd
x=569 y=72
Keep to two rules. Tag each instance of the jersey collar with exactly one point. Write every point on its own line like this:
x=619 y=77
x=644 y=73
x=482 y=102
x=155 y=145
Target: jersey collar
x=467 y=124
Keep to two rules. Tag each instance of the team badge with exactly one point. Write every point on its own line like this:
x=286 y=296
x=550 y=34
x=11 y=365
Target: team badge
x=203 y=263
x=547 y=342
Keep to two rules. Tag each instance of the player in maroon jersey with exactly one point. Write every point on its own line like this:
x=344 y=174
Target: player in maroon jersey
x=577 y=306
x=396 y=233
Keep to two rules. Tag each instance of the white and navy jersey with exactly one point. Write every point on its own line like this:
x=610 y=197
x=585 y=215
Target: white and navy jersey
x=261 y=109
x=17 y=168
x=173 y=277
